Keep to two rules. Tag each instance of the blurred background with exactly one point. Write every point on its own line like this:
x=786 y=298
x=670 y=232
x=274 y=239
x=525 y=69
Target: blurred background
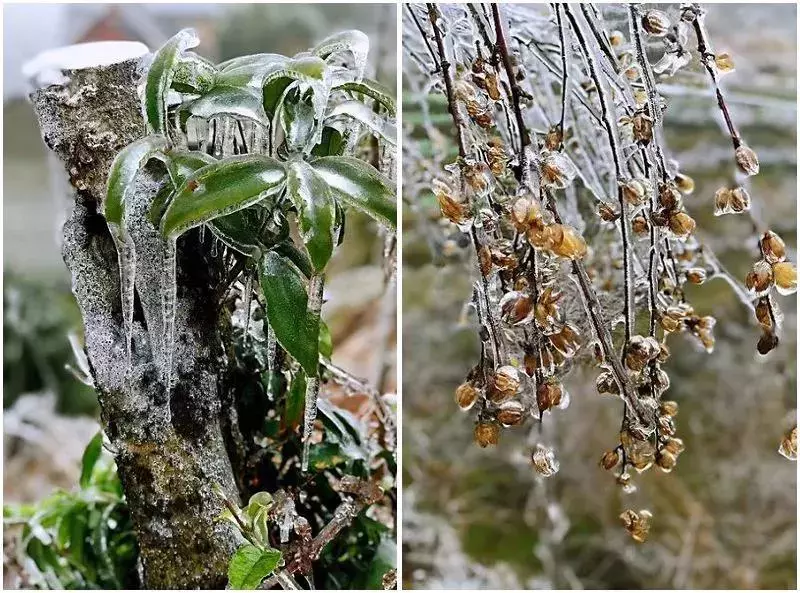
x=49 y=416
x=726 y=517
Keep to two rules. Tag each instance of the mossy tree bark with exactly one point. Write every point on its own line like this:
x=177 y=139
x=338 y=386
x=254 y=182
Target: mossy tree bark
x=169 y=450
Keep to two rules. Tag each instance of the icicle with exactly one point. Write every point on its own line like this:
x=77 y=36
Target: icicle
x=315 y=286
x=202 y=234
x=169 y=290
x=228 y=136
x=214 y=246
x=248 y=302
x=126 y=256
x=272 y=352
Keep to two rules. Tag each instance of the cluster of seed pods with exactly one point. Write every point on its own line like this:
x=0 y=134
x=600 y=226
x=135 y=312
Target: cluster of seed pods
x=510 y=191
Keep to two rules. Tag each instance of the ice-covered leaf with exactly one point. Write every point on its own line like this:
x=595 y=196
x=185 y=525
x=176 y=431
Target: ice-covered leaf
x=331 y=144
x=308 y=69
x=295 y=401
x=254 y=61
x=160 y=76
x=229 y=100
x=181 y=164
x=298 y=120
x=359 y=185
x=221 y=188
x=355 y=42
x=311 y=196
x=373 y=90
x=296 y=330
x=251 y=565
x=376 y=123
x=194 y=74
x=240 y=230
x=343 y=429
x=300 y=259
x=123 y=173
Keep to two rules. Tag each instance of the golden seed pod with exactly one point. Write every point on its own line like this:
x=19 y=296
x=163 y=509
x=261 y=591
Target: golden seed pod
x=696 y=275
x=674 y=445
x=759 y=279
x=788 y=446
x=616 y=39
x=526 y=212
x=511 y=413
x=684 y=183
x=637 y=524
x=554 y=137
x=606 y=212
x=656 y=23
x=666 y=461
x=722 y=200
x=485 y=260
x=548 y=395
x=740 y=200
x=773 y=248
x=681 y=224
x=487 y=433
x=663 y=352
x=497 y=157
x=567 y=242
x=724 y=63
x=557 y=169
x=606 y=383
x=642 y=127
x=668 y=196
x=666 y=425
x=609 y=460
x=544 y=461
x=491 y=86
x=466 y=396
x=767 y=343
x=763 y=314
x=463 y=91
x=566 y=341
x=507 y=380
x=516 y=308
x=785 y=274
x=640 y=225
x=668 y=408
x=746 y=160
x=632 y=72
x=635 y=191
x=452 y=208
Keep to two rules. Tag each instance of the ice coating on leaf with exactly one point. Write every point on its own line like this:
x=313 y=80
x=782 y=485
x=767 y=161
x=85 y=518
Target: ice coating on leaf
x=361 y=186
x=311 y=196
x=298 y=122
x=123 y=173
x=353 y=41
x=382 y=126
x=228 y=100
x=372 y=89
x=222 y=188
x=160 y=76
x=194 y=74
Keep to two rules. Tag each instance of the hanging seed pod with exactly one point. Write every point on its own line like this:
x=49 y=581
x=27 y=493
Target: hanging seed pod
x=487 y=433
x=609 y=460
x=616 y=38
x=674 y=445
x=476 y=175
x=639 y=351
x=746 y=160
x=763 y=315
x=767 y=343
x=773 y=248
x=785 y=274
x=497 y=157
x=681 y=224
x=544 y=461
x=722 y=201
x=557 y=169
x=516 y=308
x=607 y=213
x=567 y=242
x=636 y=191
x=637 y=524
x=466 y=396
x=642 y=127
x=668 y=196
x=548 y=394
x=759 y=279
x=724 y=63
x=788 y=446
x=666 y=461
x=663 y=353
x=656 y=23
x=507 y=380
x=553 y=138
x=684 y=183
x=526 y=212
x=668 y=408
x=452 y=209
x=606 y=383
x=485 y=260
x=666 y=425
x=640 y=225
x=739 y=200
x=491 y=86
x=511 y=413
x=566 y=341
x=696 y=275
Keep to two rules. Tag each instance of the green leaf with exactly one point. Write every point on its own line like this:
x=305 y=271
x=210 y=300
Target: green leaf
x=332 y=143
x=221 y=188
x=230 y=100
x=343 y=429
x=325 y=340
x=295 y=401
x=311 y=196
x=181 y=164
x=260 y=61
x=379 y=125
x=372 y=89
x=261 y=499
x=123 y=173
x=240 y=230
x=90 y=456
x=160 y=76
x=353 y=41
x=384 y=560
x=300 y=259
x=359 y=185
x=250 y=565
x=325 y=456
x=287 y=311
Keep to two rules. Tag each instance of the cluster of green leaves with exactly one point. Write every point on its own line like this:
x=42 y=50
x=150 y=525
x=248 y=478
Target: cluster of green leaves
x=81 y=539
x=310 y=102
